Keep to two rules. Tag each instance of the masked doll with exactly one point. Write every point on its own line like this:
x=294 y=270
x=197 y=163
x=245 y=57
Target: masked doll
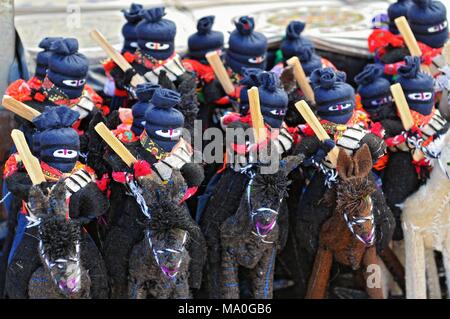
x=428 y=21
x=294 y=44
x=210 y=92
x=335 y=105
x=374 y=93
x=402 y=175
x=246 y=48
x=64 y=84
x=42 y=59
x=58 y=154
x=132 y=17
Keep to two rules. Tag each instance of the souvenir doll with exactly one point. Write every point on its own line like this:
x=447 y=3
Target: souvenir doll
x=64 y=84
x=58 y=154
x=294 y=44
x=130 y=45
x=42 y=59
x=226 y=189
x=246 y=48
x=335 y=105
x=428 y=21
x=210 y=92
x=402 y=175
x=374 y=93
x=162 y=151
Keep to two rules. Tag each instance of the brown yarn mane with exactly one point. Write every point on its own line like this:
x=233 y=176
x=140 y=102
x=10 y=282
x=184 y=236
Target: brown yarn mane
x=351 y=194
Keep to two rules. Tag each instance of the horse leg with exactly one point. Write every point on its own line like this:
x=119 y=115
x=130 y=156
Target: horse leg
x=262 y=277
x=434 y=288
x=318 y=282
x=394 y=266
x=370 y=259
x=414 y=264
x=182 y=290
x=229 y=280
x=136 y=289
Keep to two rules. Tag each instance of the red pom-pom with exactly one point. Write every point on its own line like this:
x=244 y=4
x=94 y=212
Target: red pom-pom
x=142 y=168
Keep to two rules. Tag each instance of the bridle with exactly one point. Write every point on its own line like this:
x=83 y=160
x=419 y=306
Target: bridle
x=157 y=252
x=248 y=170
x=351 y=222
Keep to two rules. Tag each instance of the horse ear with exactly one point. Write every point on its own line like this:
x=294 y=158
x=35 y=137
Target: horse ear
x=58 y=201
x=363 y=161
x=344 y=164
x=37 y=201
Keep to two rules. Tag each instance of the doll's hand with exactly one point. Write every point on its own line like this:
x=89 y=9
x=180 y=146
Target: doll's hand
x=324 y=148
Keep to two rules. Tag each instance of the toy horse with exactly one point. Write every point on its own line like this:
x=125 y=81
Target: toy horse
x=56 y=259
x=159 y=264
x=426 y=223
x=253 y=235
x=349 y=234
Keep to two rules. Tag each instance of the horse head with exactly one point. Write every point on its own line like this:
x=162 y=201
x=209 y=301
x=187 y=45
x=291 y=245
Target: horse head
x=353 y=194
x=59 y=237
x=264 y=196
x=168 y=230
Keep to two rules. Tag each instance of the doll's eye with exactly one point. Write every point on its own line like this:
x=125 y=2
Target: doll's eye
x=381 y=101
x=74 y=83
x=438 y=27
x=133 y=44
x=65 y=153
x=340 y=107
x=278 y=112
x=258 y=59
x=171 y=133
x=420 y=96
x=157 y=46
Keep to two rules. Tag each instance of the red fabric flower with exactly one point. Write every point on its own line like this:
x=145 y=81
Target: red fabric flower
x=189 y=193
x=142 y=168
x=20 y=90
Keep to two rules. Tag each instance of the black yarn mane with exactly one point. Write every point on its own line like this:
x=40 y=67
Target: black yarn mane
x=58 y=236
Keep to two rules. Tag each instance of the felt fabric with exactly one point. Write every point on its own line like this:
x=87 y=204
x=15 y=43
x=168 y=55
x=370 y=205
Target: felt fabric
x=246 y=47
x=374 y=89
x=273 y=99
x=335 y=99
x=156 y=35
x=296 y=45
x=418 y=86
x=144 y=94
x=67 y=68
x=428 y=21
x=395 y=10
x=42 y=58
x=250 y=77
x=59 y=143
x=129 y=28
x=163 y=122
x=204 y=40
